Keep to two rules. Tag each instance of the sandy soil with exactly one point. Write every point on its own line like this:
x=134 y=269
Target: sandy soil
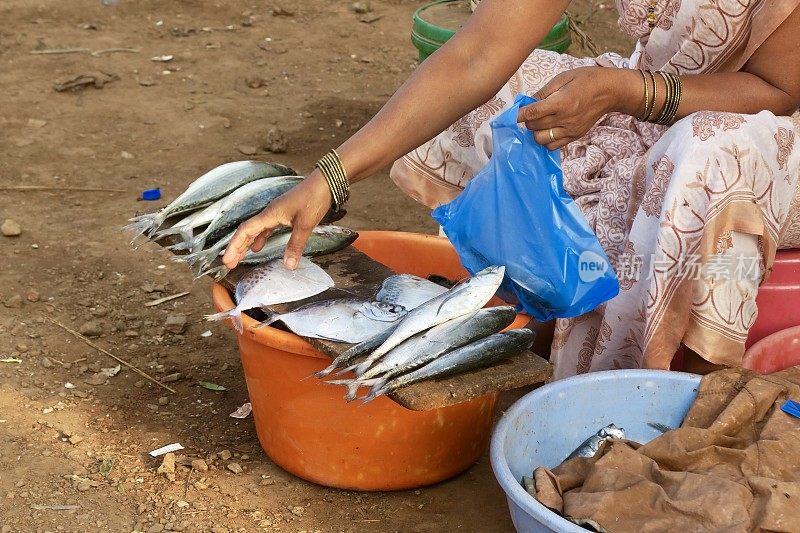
x=70 y=435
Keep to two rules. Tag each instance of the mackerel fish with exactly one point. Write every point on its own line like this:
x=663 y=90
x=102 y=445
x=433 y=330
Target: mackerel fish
x=323 y=240
x=240 y=205
x=592 y=445
x=209 y=187
x=425 y=347
x=478 y=354
x=458 y=301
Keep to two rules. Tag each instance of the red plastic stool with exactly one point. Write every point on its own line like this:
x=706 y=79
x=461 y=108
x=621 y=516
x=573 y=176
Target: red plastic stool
x=778 y=301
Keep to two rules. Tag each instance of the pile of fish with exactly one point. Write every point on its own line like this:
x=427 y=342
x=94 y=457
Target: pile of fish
x=204 y=218
x=446 y=334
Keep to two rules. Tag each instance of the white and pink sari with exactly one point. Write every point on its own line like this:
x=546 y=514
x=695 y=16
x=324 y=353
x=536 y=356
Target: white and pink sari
x=690 y=216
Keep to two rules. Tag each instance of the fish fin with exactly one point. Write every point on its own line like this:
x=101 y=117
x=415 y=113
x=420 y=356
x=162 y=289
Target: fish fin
x=374 y=393
x=221 y=272
x=362 y=367
x=351 y=368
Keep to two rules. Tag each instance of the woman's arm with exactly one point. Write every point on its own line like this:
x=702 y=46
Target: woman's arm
x=468 y=70
x=575 y=100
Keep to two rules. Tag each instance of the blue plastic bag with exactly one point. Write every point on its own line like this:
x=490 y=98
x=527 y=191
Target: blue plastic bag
x=516 y=213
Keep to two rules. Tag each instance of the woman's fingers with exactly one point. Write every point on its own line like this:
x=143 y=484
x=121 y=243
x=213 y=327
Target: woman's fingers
x=261 y=240
x=297 y=243
x=546 y=138
x=246 y=235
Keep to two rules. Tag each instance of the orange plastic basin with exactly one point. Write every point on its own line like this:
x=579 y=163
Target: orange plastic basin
x=307 y=427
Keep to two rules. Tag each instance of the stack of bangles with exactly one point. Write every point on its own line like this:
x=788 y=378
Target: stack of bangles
x=333 y=170
x=671 y=101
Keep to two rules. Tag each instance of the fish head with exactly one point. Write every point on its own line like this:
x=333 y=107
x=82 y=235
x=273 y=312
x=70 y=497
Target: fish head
x=489 y=276
x=383 y=311
x=612 y=432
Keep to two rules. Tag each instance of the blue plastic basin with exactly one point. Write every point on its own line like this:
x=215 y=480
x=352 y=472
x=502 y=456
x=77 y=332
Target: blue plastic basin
x=546 y=425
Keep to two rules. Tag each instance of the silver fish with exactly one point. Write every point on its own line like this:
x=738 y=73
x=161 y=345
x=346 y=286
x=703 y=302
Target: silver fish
x=272 y=283
x=458 y=301
x=344 y=320
x=354 y=352
x=481 y=353
x=592 y=445
x=323 y=240
x=408 y=291
x=425 y=347
x=209 y=187
x=185 y=227
x=241 y=204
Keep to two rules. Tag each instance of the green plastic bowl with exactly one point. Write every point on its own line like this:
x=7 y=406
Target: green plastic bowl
x=428 y=37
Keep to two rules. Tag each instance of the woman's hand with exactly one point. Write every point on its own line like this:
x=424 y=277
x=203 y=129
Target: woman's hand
x=573 y=101
x=301 y=208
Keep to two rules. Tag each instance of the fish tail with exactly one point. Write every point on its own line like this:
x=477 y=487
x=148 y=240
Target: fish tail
x=183 y=245
x=144 y=224
x=220 y=272
x=325 y=371
x=347 y=369
x=360 y=368
x=374 y=393
x=234 y=314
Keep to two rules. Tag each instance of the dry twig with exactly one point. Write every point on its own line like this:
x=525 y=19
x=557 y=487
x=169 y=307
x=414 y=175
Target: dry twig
x=56 y=188
x=111 y=355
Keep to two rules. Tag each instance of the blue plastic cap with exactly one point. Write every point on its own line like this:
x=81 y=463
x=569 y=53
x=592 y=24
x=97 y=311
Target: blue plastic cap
x=151 y=194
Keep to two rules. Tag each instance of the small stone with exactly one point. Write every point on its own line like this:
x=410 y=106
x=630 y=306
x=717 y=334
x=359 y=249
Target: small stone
x=92 y=328
x=22 y=348
x=126 y=155
x=199 y=465
x=36 y=122
x=33 y=296
x=167 y=467
x=96 y=379
x=99 y=312
x=225 y=455
x=75 y=439
x=282 y=12
x=245 y=457
x=338 y=123
x=139 y=384
x=235 y=468
x=46 y=362
x=226 y=123
x=176 y=324
x=298 y=511
x=163 y=400
x=266 y=482
x=255 y=82
x=361 y=7
x=182 y=504
x=13 y=301
x=155 y=528
x=11 y=228
x=131 y=333
x=171 y=378
x=275 y=141
x=247 y=149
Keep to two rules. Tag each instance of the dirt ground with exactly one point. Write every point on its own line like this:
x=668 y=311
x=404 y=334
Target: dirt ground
x=69 y=434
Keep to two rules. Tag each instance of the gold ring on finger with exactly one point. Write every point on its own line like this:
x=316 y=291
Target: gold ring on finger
x=552 y=136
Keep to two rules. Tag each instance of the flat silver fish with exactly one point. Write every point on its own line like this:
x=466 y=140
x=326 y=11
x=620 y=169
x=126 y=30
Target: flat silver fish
x=425 y=347
x=458 y=301
x=323 y=240
x=408 y=290
x=209 y=187
x=478 y=354
x=592 y=445
x=272 y=283
x=241 y=204
x=344 y=320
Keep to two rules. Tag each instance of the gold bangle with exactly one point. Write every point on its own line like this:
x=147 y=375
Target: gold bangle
x=335 y=175
x=646 y=94
x=655 y=96
x=677 y=100
x=671 y=102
